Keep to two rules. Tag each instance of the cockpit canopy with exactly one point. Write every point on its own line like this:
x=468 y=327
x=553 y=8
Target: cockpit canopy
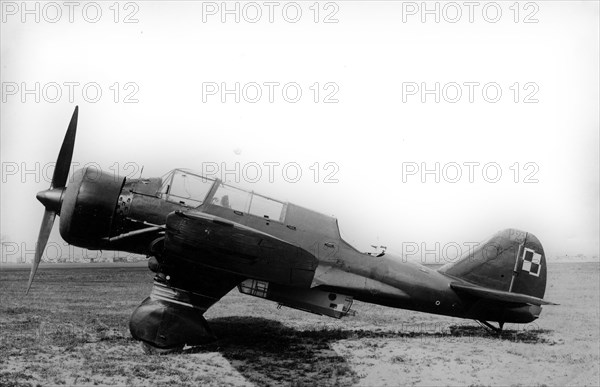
x=190 y=189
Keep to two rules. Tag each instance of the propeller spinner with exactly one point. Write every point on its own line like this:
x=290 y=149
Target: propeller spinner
x=52 y=197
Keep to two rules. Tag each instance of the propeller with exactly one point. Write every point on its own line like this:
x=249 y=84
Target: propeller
x=52 y=197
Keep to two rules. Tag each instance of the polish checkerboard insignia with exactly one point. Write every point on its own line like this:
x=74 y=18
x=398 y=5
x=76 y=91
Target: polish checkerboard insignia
x=532 y=262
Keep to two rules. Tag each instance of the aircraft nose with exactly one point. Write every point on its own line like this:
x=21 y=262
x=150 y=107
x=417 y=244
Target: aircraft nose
x=51 y=198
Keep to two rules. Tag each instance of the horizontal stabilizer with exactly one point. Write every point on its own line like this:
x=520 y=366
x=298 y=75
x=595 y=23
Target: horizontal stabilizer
x=498 y=295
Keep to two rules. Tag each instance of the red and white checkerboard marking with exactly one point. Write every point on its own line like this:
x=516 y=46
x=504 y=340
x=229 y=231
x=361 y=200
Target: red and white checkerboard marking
x=532 y=262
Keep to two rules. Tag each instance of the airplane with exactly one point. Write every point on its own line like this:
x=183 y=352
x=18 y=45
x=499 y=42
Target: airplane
x=204 y=237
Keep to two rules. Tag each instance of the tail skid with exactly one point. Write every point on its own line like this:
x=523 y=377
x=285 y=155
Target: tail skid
x=490 y=327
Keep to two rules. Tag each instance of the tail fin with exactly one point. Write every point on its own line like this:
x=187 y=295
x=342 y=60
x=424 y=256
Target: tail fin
x=510 y=261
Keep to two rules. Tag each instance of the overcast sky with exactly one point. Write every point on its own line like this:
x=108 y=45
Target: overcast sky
x=347 y=89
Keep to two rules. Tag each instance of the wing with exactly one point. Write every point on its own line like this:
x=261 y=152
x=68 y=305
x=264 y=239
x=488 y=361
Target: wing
x=203 y=240
x=188 y=283
x=197 y=287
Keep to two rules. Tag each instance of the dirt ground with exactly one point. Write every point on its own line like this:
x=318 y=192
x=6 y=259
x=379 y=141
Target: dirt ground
x=72 y=329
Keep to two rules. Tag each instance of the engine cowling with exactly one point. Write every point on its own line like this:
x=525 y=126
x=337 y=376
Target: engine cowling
x=88 y=207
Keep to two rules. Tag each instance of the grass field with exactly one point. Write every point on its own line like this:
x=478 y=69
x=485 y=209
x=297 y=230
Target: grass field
x=72 y=329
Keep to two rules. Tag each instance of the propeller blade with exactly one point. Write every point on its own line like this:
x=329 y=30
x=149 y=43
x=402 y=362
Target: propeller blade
x=52 y=198
x=45 y=228
x=63 y=163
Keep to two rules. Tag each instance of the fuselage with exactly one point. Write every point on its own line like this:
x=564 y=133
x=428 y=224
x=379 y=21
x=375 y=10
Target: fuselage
x=317 y=257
